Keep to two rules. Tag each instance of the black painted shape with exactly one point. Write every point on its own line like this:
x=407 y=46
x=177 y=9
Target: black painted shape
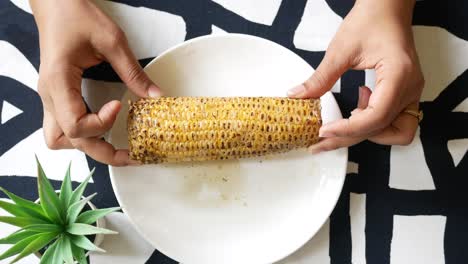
x=287 y=20
x=427 y=202
x=233 y=23
x=102 y=72
x=19 y=29
x=159 y=258
x=450 y=15
x=379 y=208
x=357 y=183
x=105 y=72
x=281 y=31
x=195 y=19
x=348 y=97
x=24 y=124
x=340 y=229
x=439 y=126
x=341 y=7
x=453 y=95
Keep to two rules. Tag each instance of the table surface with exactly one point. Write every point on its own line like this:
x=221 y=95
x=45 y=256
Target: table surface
x=399 y=204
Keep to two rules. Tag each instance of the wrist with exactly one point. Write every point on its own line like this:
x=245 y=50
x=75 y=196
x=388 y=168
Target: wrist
x=400 y=9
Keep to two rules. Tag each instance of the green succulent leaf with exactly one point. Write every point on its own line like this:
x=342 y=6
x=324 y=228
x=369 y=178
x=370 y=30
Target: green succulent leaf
x=66 y=189
x=84 y=243
x=58 y=256
x=48 y=256
x=90 y=217
x=84 y=229
x=44 y=228
x=17 y=236
x=20 y=221
x=75 y=209
x=67 y=250
x=39 y=242
x=79 y=254
x=18 y=247
x=49 y=200
x=18 y=210
x=26 y=204
x=78 y=192
x=34 y=214
x=13 y=209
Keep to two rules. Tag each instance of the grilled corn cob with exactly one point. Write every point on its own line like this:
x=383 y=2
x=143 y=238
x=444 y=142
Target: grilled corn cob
x=176 y=129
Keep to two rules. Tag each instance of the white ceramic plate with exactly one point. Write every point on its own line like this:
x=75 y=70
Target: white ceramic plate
x=245 y=211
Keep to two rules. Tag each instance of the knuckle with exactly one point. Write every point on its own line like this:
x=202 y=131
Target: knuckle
x=349 y=130
x=52 y=142
x=115 y=38
x=71 y=131
x=134 y=74
x=317 y=80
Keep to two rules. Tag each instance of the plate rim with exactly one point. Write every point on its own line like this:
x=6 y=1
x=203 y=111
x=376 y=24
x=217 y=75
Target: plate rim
x=225 y=36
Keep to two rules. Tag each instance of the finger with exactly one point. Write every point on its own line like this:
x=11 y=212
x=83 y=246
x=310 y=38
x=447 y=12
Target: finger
x=359 y=124
x=325 y=76
x=103 y=152
x=72 y=117
x=53 y=134
x=363 y=101
x=400 y=132
x=329 y=144
x=383 y=107
x=123 y=61
x=364 y=96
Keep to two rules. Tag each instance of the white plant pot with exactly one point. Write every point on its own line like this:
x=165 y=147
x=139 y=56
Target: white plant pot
x=101 y=223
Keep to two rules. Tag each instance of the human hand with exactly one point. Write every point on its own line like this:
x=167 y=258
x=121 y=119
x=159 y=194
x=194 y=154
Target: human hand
x=75 y=35
x=374 y=35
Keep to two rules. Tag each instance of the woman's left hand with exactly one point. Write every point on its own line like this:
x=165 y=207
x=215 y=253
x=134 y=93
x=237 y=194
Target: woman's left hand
x=374 y=35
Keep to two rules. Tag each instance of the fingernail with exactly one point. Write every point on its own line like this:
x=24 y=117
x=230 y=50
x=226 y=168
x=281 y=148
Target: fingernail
x=296 y=91
x=153 y=91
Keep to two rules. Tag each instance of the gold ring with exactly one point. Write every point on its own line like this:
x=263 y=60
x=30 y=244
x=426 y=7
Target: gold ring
x=418 y=114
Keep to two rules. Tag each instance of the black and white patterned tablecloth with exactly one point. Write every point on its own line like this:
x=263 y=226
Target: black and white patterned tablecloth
x=399 y=204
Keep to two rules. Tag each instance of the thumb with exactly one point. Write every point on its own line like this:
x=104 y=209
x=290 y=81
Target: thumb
x=123 y=61
x=325 y=76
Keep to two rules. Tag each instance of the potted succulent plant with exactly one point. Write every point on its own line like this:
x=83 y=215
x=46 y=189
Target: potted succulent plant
x=59 y=224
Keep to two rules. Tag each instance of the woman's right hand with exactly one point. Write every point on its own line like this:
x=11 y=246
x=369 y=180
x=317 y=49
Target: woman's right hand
x=75 y=35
